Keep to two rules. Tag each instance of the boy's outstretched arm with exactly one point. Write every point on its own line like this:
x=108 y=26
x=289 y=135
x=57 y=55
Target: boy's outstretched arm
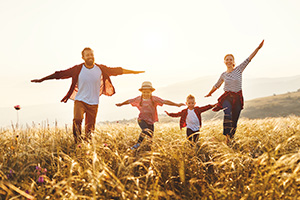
x=170 y=103
x=207 y=107
x=123 y=103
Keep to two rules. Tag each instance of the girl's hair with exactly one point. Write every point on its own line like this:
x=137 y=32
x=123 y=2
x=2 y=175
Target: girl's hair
x=232 y=57
x=141 y=102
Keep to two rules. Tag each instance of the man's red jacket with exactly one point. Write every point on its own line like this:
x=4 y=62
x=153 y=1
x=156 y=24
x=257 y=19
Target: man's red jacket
x=106 y=88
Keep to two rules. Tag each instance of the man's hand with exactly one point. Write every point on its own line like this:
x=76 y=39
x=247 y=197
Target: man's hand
x=37 y=80
x=119 y=104
x=138 y=72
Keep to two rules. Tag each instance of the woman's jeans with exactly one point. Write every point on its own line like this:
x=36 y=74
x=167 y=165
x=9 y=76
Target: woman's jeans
x=231 y=116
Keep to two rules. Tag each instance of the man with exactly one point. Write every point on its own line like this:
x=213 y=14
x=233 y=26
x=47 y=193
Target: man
x=89 y=81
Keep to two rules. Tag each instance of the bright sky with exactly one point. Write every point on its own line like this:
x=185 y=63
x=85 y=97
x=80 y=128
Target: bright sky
x=171 y=40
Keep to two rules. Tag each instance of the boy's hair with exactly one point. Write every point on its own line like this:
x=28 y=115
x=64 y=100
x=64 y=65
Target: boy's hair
x=190 y=97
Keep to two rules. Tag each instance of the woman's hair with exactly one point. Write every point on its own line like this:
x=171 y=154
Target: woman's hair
x=232 y=57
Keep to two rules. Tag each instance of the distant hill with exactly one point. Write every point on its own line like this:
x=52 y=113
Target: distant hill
x=273 y=106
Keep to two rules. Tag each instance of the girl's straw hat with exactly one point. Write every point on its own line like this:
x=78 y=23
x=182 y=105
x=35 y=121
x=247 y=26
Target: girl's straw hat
x=147 y=85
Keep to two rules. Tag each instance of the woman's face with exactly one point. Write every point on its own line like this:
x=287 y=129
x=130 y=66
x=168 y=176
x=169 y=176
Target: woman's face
x=229 y=61
x=146 y=94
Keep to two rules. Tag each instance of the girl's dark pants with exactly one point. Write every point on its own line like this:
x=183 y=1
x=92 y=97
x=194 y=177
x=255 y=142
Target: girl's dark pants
x=147 y=129
x=191 y=136
x=231 y=115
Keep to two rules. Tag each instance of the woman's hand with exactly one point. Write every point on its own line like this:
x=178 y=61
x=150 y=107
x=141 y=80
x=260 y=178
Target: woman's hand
x=261 y=44
x=256 y=50
x=37 y=80
x=208 y=95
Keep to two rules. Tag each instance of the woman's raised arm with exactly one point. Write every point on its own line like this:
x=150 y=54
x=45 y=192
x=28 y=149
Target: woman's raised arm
x=256 y=50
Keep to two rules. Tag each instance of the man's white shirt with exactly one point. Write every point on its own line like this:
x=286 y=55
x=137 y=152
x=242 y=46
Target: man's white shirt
x=89 y=83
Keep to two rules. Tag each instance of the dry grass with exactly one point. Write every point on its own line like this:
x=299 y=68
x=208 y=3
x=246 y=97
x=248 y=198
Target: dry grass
x=262 y=163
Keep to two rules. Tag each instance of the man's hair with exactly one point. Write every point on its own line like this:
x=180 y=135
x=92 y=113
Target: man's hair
x=85 y=49
x=190 y=97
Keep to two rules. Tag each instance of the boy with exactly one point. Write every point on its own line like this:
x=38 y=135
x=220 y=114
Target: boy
x=191 y=118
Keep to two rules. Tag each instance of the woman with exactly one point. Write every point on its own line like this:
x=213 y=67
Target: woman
x=231 y=101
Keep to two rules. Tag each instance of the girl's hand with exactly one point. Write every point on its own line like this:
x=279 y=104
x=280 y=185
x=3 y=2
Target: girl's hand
x=119 y=104
x=180 y=104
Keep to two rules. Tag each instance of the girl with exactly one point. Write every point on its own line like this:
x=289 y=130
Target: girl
x=232 y=100
x=146 y=103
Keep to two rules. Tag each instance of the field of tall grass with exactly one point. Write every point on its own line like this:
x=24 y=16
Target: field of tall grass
x=263 y=162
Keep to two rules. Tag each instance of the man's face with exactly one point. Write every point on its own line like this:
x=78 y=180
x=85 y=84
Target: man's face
x=88 y=57
x=190 y=103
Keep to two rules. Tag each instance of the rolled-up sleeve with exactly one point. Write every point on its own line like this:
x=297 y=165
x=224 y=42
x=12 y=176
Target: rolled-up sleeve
x=114 y=71
x=135 y=101
x=220 y=81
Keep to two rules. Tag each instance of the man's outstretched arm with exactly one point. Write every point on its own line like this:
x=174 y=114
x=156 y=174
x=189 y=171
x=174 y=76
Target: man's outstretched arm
x=127 y=71
x=52 y=76
x=63 y=74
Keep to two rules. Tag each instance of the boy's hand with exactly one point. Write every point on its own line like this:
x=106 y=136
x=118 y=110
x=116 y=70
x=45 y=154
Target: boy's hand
x=214 y=105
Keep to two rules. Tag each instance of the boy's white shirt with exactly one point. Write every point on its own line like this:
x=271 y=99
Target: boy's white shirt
x=192 y=121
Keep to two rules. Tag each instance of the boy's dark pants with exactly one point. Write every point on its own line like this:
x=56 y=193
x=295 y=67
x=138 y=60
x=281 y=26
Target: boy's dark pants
x=231 y=116
x=147 y=129
x=191 y=136
x=90 y=119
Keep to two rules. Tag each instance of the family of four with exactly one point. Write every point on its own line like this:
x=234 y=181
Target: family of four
x=91 y=80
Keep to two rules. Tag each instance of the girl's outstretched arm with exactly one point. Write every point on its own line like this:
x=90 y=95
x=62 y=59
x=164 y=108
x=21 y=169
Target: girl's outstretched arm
x=122 y=104
x=170 y=103
x=256 y=50
x=174 y=114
